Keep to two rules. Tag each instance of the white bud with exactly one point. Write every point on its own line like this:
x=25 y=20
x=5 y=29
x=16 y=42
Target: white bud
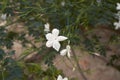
x=117 y=25
x=3 y=16
x=47 y=27
x=118 y=6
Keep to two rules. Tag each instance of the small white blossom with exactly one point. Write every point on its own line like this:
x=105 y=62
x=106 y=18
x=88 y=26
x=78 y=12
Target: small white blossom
x=53 y=39
x=47 y=27
x=117 y=25
x=73 y=69
x=118 y=6
x=66 y=51
x=98 y=1
x=3 y=16
x=63 y=3
x=60 y=78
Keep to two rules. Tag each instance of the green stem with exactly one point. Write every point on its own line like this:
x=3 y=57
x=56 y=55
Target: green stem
x=66 y=64
x=77 y=63
x=3 y=74
x=71 y=62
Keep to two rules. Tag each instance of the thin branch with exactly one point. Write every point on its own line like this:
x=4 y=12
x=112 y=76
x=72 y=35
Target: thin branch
x=106 y=61
x=78 y=65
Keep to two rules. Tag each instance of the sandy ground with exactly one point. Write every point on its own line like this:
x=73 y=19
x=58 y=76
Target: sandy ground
x=93 y=68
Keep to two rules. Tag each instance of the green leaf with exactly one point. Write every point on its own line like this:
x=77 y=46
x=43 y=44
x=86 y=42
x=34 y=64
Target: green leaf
x=2 y=54
x=11 y=52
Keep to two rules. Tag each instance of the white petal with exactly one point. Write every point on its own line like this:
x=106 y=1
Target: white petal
x=46 y=30
x=56 y=45
x=118 y=6
x=68 y=47
x=49 y=43
x=65 y=78
x=47 y=25
x=63 y=3
x=63 y=52
x=97 y=54
x=59 y=77
x=61 y=38
x=49 y=37
x=115 y=23
x=3 y=16
x=68 y=54
x=116 y=27
x=68 y=50
x=55 y=32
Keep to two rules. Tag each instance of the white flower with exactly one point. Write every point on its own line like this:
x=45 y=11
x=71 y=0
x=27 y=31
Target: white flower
x=118 y=6
x=47 y=27
x=66 y=51
x=53 y=39
x=63 y=3
x=98 y=1
x=117 y=25
x=3 y=16
x=60 y=78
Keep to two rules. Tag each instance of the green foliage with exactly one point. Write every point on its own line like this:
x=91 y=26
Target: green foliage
x=2 y=53
x=5 y=39
x=8 y=68
x=114 y=60
x=36 y=72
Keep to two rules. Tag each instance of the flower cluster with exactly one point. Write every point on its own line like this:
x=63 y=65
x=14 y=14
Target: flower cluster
x=117 y=24
x=53 y=40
